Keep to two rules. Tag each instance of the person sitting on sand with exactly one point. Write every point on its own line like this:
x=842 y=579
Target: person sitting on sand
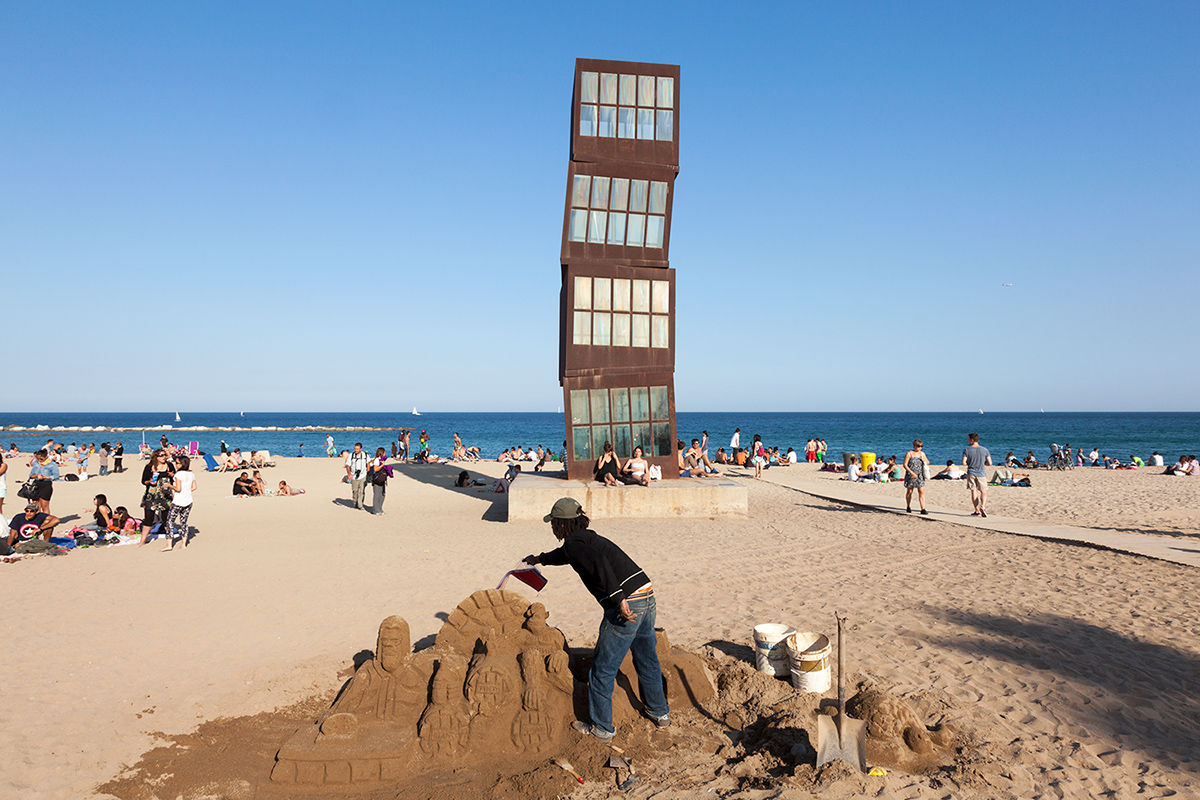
x=791 y=456
x=951 y=472
x=259 y=484
x=607 y=467
x=1136 y=461
x=895 y=471
x=636 y=470
x=30 y=525
x=286 y=491
x=1031 y=461
x=504 y=456
x=853 y=473
x=721 y=457
x=1094 y=457
x=1011 y=461
x=244 y=486
x=463 y=480
x=123 y=523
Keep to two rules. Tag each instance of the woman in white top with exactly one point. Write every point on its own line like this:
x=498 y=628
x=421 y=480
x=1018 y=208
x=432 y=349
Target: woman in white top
x=636 y=469
x=181 y=503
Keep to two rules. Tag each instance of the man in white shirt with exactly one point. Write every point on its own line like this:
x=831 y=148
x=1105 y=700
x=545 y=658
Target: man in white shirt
x=1156 y=460
x=736 y=441
x=356 y=471
x=1094 y=456
x=791 y=455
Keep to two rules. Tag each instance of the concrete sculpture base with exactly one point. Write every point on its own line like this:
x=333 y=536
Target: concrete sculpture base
x=531 y=496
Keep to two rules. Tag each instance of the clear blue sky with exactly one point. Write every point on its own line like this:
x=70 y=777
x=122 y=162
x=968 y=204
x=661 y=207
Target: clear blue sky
x=301 y=206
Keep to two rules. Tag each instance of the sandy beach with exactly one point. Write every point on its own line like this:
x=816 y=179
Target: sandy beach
x=1073 y=669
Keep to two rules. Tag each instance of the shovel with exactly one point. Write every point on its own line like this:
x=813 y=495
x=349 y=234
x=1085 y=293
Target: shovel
x=847 y=739
x=619 y=763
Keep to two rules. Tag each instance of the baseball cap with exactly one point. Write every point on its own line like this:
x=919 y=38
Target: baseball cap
x=564 y=508
x=31 y=506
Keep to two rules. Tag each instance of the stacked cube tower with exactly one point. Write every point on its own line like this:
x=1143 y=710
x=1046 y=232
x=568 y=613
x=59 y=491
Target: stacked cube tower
x=617 y=321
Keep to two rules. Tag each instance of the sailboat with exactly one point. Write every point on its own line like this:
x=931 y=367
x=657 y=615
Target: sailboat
x=981 y=411
x=415 y=413
x=177 y=417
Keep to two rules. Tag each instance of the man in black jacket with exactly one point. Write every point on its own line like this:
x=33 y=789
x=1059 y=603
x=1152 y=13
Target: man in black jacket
x=627 y=597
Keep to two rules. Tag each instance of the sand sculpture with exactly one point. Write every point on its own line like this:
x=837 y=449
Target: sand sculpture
x=498 y=682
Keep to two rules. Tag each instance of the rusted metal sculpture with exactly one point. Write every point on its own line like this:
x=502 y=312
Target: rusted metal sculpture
x=617 y=319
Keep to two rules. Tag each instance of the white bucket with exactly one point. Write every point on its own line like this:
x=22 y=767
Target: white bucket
x=808 y=661
x=770 y=654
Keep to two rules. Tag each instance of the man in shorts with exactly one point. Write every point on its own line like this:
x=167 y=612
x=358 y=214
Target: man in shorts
x=33 y=523
x=977 y=459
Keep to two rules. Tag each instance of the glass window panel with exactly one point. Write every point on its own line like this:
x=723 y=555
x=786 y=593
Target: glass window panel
x=608 y=122
x=578 y=225
x=601 y=294
x=635 y=231
x=582 y=435
x=620 y=405
x=579 y=407
x=640 y=336
x=664 y=129
x=580 y=191
x=641 y=438
x=620 y=331
x=600 y=435
x=654 y=231
x=600 y=406
x=666 y=92
x=662 y=439
x=583 y=292
x=620 y=194
x=659 y=331
x=587 y=120
x=658 y=404
x=646 y=89
x=628 y=87
x=596 y=230
x=621 y=441
x=638 y=191
x=639 y=404
x=661 y=297
x=625 y=122
x=641 y=295
x=608 y=88
x=589 y=86
x=616 y=228
x=645 y=123
x=658 y=197
x=581 y=332
x=601 y=330
x=600 y=192
x=620 y=294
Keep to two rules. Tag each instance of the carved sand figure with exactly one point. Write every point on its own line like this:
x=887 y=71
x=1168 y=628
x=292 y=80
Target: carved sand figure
x=496 y=685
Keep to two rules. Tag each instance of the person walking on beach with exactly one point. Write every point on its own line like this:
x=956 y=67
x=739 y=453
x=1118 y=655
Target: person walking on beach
x=736 y=441
x=916 y=468
x=626 y=594
x=329 y=451
x=119 y=458
x=379 y=477
x=356 y=471
x=976 y=459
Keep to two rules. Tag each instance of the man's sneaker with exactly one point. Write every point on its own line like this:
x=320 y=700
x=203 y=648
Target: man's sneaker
x=662 y=722
x=592 y=730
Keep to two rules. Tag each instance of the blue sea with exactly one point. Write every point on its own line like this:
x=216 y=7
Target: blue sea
x=886 y=433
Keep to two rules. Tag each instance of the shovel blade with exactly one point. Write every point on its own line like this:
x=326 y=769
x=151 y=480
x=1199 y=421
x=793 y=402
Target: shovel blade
x=850 y=746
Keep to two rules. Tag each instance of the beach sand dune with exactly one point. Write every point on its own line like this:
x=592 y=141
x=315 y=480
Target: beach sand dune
x=1077 y=666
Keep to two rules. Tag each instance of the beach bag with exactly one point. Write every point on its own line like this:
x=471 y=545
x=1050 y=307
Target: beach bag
x=924 y=470
x=28 y=489
x=654 y=472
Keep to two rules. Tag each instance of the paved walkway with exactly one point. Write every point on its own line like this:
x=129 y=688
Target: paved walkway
x=1164 y=548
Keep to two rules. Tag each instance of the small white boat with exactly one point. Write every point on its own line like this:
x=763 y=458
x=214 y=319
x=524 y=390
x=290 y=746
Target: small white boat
x=177 y=417
x=415 y=413
x=981 y=411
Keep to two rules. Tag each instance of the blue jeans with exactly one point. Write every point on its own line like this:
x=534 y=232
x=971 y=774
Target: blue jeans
x=618 y=637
